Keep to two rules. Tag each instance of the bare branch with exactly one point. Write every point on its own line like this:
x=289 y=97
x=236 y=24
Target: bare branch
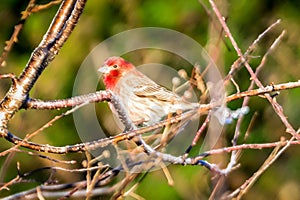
x=60 y=29
x=204 y=108
x=98 y=96
x=275 y=105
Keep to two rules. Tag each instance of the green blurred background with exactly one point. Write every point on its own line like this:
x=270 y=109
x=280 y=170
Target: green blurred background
x=102 y=19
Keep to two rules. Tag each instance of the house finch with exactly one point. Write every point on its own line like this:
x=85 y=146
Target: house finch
x=145 y=101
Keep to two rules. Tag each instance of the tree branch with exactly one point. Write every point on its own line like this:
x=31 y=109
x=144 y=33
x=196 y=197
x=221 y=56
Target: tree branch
x=60 y=29
x=98 y=96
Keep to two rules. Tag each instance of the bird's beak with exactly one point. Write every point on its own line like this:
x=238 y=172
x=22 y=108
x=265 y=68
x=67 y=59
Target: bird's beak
x=104 y=69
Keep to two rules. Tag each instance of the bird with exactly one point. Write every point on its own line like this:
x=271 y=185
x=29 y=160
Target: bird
x=145 y=101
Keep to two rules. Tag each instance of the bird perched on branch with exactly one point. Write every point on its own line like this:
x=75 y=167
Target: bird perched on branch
x=145 y=101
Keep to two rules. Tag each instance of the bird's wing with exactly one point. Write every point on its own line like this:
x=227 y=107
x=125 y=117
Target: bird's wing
x=158 y=92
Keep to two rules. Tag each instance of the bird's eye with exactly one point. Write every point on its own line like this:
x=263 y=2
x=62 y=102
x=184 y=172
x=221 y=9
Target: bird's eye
x=115 y=66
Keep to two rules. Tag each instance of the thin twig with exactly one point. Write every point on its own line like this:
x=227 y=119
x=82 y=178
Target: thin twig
x=239 y=192
x=19 y=143
x=31 y=8
x=277 y=108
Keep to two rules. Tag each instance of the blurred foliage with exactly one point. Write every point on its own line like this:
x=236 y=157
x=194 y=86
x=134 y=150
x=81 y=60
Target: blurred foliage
x=102 y=19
